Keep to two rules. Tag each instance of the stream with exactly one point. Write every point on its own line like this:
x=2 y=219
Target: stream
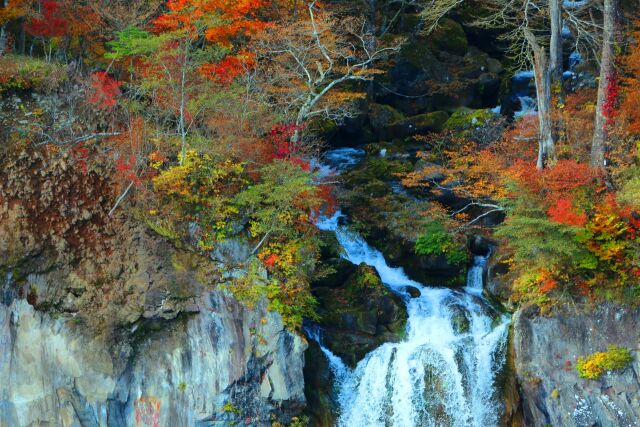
x=444 y=371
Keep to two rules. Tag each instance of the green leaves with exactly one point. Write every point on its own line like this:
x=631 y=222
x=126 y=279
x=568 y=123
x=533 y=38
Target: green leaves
x=132 y=41
x=437 y=240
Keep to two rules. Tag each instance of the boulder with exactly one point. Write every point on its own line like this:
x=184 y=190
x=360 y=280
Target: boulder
x=381 y=118
x=422 y=123
x=360 y=315
x=449 y=36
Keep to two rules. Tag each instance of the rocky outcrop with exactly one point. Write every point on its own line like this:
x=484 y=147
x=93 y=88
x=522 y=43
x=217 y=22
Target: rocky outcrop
x=359 y=315
x=546 y=349
x=226 y=364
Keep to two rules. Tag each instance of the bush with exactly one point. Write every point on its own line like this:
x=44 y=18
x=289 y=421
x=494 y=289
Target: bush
x=592 y=367
x=437 y=240
x=23 y=72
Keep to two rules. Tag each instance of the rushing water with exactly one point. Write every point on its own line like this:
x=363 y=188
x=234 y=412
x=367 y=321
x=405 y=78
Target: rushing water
x=443 y=373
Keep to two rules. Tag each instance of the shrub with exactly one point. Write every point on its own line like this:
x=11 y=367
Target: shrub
x=437 y=240
x=22 y=72
x=592 y=367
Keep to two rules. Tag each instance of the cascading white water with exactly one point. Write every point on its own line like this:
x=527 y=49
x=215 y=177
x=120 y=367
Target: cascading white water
x=443 y=373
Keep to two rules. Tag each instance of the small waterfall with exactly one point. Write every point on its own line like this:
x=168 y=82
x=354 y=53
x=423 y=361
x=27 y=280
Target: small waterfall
x=443 y=373
x=528 y=106
x=474 y=276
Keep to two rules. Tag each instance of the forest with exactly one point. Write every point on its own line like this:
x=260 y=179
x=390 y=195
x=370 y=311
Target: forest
x=319 y=213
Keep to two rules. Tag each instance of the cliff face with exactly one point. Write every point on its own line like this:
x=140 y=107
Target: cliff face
x=223 y=364
x=546 y=350
x=104 y=323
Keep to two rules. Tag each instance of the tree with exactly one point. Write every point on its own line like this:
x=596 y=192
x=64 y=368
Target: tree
x=10 y=10
x=606 y=92
x=189 y=51
x=528 y=37
x=304 y=62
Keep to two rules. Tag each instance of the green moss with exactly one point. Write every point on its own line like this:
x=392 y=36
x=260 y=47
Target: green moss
x=437 y=240
x=593 y=366
x=464 y=120
x=427 y=122
x=420 y=56
x=449 y=36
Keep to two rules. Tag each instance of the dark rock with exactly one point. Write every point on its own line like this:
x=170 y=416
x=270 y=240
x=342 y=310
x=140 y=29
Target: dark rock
x=413 y=291
x=360 y=315
x=428 y=122
x=479 y=245
x=449 y=36
x=318 y=381
x=381 y=117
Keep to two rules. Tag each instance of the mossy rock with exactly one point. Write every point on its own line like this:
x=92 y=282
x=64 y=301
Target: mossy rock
x=410 y=23
x=464 y=119
x=427 y=122
x=381 y=117
x=323 y=126
x=419 y=55
x=376 y=168
x=360 y=315
x=449 y=36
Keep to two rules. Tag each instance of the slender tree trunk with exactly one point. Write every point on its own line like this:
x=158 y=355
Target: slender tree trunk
x=3 y=32
x=371 y=29
x=3 y=39
x=606 y=75
x=542 y=74
x=182 y=128
x=555 y=47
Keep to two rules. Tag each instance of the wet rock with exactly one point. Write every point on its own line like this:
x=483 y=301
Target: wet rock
x=318 y=380
x=413 y=291
x=360 y=315
x=459 y=320
x=381 y=118
x=479 y=245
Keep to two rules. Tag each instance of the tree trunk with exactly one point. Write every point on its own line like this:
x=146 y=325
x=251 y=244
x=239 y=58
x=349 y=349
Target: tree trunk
x=3 y=39
x=555 y=47
x=372 y=30
x=606 y=75
x=542 y=74
x=3 y=32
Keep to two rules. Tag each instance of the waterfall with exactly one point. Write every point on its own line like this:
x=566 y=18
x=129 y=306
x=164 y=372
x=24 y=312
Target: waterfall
x=443 y=373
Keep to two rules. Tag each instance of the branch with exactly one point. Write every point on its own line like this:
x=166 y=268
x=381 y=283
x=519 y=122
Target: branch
x=121 y=198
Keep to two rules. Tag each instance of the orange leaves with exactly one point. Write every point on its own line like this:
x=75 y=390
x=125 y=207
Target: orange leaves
x=13 y=10
x=220 y=20
x=546 y=282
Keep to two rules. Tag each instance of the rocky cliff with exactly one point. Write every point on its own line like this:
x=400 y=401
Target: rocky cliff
x=545 y=351
x=105 y=323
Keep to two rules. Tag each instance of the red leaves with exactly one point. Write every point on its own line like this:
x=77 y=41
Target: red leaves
x=609 y=108
x=563 y=212
x=126 y=169
x=104 y=90
x=271 y=260
x=229 y=68
x=52 y=23
x=563 y=178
